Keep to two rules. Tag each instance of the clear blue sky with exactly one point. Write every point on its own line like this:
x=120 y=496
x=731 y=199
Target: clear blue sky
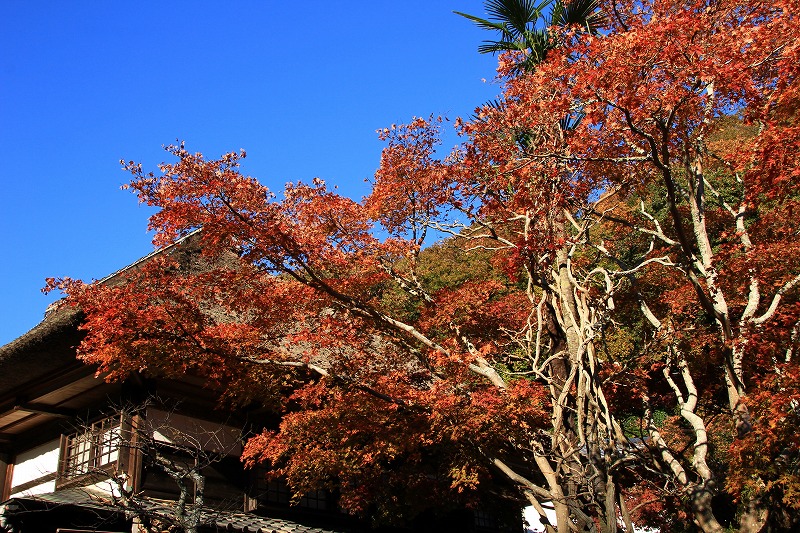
x=301 y=86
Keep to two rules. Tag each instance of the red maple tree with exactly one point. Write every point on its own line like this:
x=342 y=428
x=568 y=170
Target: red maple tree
x=612 y=324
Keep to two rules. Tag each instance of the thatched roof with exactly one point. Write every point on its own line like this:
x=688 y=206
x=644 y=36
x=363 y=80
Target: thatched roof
x=46 y=347
x=50 y=345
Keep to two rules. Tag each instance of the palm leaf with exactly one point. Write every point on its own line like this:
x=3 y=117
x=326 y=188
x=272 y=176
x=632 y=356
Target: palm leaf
x=584 y=13
x=522 y=25
x=538 y=44
x=495 y=47
x=482 y=23
x=571 y=121
x=496 y=105
x=521 y=15
x=515 y=14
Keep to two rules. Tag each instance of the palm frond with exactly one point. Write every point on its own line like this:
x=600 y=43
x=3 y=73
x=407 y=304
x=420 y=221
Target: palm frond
x=495 y=105
x=571 y=121
x=523 y=138
x=482 y=23
x=523 y=26
x=584 y=13
x=519 y=16
x=538 y=44
x=497 y=47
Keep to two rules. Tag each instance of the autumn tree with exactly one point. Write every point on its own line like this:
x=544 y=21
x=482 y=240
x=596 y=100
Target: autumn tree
x=628 y=339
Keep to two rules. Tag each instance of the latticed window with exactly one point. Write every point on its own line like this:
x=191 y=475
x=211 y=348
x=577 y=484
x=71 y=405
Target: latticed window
x=276 y=492
x=94 y=448
x=317 y=500
x=271 y=491
x=484 y=520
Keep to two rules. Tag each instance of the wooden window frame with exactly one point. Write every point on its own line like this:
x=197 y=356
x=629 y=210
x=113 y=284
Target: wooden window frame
x=274 y=493
x=88 y=454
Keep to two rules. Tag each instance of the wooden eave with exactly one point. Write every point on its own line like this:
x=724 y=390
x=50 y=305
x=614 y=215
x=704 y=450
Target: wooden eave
x=66 y=396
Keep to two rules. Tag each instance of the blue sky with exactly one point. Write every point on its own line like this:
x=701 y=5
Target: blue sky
x=302 y=87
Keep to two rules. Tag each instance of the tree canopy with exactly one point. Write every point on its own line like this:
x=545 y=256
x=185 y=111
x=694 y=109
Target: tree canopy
x=612 y=324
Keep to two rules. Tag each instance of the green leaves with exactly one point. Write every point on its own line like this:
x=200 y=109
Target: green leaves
x=584 y=13
x=523 y=26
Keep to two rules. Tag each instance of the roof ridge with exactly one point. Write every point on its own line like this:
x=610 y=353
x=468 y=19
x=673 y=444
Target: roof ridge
x=150 y=255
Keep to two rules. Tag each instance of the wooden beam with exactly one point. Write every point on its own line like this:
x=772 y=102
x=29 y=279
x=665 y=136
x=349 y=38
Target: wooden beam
x=22 y=487
x=7 y=474
x=61 y=378
x=43 y=409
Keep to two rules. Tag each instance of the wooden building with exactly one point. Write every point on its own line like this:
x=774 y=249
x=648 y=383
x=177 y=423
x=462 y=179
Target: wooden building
x=72 y=453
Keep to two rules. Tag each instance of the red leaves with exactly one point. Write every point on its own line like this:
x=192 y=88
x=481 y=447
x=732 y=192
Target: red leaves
x=411 y=186
x=373 y=449
x=763 y=463
x=629 y=205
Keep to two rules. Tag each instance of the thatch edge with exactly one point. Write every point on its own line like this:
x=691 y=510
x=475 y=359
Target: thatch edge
x=65 y=318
